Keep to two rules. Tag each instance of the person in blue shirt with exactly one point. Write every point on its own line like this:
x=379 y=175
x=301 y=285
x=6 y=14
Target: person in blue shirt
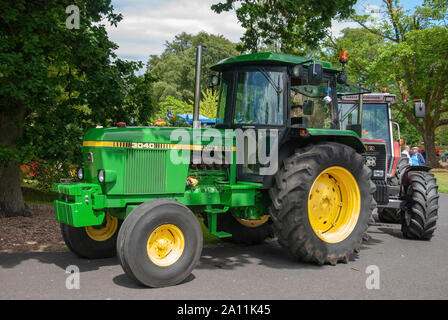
x=416 y=158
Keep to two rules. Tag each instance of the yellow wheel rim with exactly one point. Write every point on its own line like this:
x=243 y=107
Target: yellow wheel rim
x=165 y=245
x=334 y=204
x=104 y=232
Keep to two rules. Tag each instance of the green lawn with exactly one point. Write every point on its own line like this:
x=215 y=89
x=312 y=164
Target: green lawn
x=34 y=196
x=442 y=180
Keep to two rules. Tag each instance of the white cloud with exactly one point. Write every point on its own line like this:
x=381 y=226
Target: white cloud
x=337 y=27
x=147 y=25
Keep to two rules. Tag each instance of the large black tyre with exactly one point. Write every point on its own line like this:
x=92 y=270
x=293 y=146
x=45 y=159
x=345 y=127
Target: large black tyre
x=242 y=234
x=291 y=193
x=422 y=204
x=81 y=241
x=392 y=215
x=159 y=243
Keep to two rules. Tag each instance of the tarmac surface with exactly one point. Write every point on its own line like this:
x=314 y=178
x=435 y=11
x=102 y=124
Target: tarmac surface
x=402 y=269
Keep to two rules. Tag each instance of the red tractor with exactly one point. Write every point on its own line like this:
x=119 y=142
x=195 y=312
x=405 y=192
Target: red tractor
x=405 y=194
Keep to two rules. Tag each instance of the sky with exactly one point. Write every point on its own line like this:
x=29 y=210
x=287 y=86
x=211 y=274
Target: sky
x=148 y=24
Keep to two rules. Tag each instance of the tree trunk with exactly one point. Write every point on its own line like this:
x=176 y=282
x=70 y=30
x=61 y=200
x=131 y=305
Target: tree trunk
x=11 y=197
x=431 y=157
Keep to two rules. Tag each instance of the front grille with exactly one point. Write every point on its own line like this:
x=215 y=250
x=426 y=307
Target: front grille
x=146 y=171
x=379 y=152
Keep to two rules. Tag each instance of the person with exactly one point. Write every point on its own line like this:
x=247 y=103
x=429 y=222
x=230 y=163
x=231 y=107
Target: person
x=417 y=158
x=297 y=117
x=406 y=153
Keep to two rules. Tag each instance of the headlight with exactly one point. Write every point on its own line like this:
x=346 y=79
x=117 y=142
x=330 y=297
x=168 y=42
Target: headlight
x=378 y=173
x=80 y=173
x=101 y=176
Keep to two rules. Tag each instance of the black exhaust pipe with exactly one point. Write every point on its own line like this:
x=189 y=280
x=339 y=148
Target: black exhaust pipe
x=197 y=92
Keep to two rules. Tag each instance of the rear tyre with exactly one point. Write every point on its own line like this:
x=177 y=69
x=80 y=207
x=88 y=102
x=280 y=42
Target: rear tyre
x=94 y=242
x=321 y=203
x=242 y=234
x=159 y=243
x=392 y=215
x=420 y=218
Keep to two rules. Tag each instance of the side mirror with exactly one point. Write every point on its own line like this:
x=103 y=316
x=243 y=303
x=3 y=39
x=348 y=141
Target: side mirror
x=342 y=78
x=308 y=107
x=315 y=74
x=419 y=109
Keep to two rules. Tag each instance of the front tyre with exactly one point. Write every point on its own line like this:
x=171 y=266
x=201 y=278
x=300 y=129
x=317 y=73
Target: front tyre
x=93 y=242
x=159 y=243
x=422 y=205
x=322 y=202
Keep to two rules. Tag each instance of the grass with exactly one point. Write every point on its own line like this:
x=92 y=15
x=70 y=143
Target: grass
x=34 y=196
x=442 y=180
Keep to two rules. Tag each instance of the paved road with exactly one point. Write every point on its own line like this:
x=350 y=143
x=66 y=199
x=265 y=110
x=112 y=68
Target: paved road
x=408 y=270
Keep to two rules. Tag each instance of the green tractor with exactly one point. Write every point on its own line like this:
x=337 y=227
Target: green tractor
x=275 y=163
x=405 y=194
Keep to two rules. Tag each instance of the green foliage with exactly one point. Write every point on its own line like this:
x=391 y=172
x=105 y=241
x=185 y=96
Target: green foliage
x=208 y=107
x=175 y=67
x=56 y=83
x=285 y=25
x=405 y=52
x=209 y=103
x=176 y=106
x=48 y=173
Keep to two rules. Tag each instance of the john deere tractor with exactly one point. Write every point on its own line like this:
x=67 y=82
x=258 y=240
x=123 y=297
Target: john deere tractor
x=276 y=162
x=405 y=194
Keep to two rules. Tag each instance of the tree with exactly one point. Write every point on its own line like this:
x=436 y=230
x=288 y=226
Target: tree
x=175 y=67
x=208 y=106
x=56 y=82
x=414 y=60
x=365 y=47
x=285 y=25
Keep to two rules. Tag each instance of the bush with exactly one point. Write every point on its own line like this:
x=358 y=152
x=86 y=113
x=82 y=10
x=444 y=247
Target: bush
x=42 y=174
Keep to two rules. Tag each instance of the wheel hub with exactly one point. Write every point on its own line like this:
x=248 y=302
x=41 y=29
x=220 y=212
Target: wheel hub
x=334 y=204
x=165 y=245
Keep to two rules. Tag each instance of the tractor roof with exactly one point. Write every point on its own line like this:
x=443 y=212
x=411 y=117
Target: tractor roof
x=268 y=58
x=370 y=98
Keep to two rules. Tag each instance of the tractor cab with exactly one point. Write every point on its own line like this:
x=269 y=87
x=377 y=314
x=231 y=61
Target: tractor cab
x=292 y=95
x=376 y=128
x=276 y=90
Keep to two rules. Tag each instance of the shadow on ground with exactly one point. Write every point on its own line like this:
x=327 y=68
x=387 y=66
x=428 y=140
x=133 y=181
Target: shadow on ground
x=60 y=259
x=227 y=257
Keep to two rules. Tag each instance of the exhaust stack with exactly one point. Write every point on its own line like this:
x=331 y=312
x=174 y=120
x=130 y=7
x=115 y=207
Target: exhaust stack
x=197 y=93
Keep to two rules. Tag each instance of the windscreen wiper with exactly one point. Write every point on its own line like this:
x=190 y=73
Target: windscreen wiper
x=348 y=112
x=271 y=81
